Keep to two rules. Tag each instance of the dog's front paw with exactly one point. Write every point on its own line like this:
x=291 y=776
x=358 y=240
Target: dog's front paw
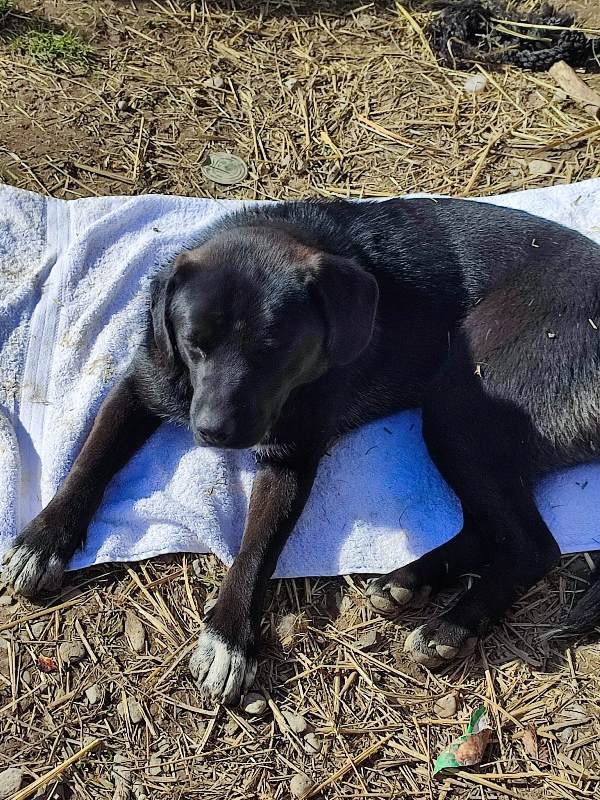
x=223 y=671
x=31 y=568
x=438 y=643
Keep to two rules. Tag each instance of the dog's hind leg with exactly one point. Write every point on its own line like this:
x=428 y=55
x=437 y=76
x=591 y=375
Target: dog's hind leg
x=483 y=447
x=415 y=584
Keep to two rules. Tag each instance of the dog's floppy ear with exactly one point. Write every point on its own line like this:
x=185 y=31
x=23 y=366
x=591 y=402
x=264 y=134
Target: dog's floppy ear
x=159 y=308
x=348 y=296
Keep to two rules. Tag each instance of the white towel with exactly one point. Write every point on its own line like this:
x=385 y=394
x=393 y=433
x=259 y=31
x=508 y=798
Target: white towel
x=73 y=285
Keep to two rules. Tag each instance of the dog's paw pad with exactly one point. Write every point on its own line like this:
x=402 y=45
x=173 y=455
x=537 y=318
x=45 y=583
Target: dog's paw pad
x=30 y=572
x=388 y=598
x=430 y=649
x=223 y=672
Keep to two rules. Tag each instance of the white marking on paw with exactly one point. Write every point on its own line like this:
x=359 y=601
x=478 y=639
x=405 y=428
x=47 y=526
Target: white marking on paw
x=29 y=572
x=223 y=673
x=433 y=654
x=387 y=598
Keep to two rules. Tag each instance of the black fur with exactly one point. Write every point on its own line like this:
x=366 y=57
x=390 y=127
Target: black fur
x=290 y=324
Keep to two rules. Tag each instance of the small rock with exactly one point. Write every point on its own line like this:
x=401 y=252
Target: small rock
x=132 y=709
x=154 y=765
x=475 y=84
x=345 y=602
x=138 y=791
x=313 y=744
x=4 y=643
x=197 y=568
x=231 y=727
x=122 y=105
x=539 y=167
x=121 y=774
x=26 y=677
x=37 y=629
x=367 y=639
x=575 y=712
x=445 y=706
x=6 y=600
x=135 y=632
x=216 y=82
x=10 y=781
x=286 y=626
x=71 y=652
x=291 y=83
x=300 y=784
x=565 y=735
x=93 y=694
x=254 y=704
x=296 y=722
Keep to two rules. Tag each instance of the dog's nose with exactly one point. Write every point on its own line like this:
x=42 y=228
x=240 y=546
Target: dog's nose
x=214 y=435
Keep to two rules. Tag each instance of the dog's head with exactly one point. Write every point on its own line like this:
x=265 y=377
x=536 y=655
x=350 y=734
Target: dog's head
x=252 y=314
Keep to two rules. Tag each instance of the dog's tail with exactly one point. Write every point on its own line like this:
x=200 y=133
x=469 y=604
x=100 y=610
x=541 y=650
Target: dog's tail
x=586 y=614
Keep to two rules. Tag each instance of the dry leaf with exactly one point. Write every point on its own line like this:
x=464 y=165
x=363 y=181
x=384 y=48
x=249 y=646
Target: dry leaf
x=47 y=664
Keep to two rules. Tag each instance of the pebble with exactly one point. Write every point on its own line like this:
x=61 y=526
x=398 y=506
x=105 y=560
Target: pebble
x=575 y=712
x=231 y=727
x=313 y=744
x=131 y=708
x=286 y=626
x=37 y=629
x=254 y=704
x=121 y=774
x=367 y=639
x=216 y=82
x=154 y=765
x=300 y=784
x=135 y=632
x=93 y=694
x=26 y=677
x=10 y=781
x=445 y=706
x=138 y=791
x=539 y=167
x=475 y=84
x=6 y=600
x=71 y=652
x=296 y=722
x=122 y=105
x=565 y=735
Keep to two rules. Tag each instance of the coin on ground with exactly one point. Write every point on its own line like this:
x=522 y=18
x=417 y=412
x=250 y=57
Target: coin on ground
x=224 y=168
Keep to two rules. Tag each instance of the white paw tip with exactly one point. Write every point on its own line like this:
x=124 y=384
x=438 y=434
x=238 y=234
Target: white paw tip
x=222 y=672
x=28 y=572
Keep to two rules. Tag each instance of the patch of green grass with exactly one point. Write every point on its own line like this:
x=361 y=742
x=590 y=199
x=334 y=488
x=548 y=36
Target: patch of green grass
x=57 y=50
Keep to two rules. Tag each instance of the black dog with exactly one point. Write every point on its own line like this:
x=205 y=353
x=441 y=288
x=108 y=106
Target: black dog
x=290 y=324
